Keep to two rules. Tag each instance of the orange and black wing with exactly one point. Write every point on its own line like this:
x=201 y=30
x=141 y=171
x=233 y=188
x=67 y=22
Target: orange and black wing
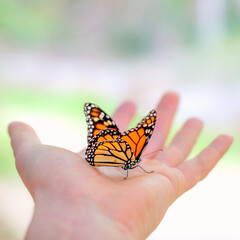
x=97 y=120
x=104 y=135
x=113 y=153
x=139 y=136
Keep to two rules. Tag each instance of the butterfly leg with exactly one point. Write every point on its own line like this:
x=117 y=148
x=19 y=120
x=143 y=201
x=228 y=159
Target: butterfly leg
x=126 y=176
x=142 y=169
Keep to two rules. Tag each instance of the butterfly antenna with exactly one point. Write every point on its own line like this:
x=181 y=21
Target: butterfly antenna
x=142 y=169
x=160 y=149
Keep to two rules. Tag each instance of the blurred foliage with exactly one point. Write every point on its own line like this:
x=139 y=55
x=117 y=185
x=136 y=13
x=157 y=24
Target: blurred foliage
x=130 y=41
x=119 y=27
x=233 y=17
x=28 y=22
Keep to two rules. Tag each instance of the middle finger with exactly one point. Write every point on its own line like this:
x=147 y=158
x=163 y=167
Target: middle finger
x=182 y=144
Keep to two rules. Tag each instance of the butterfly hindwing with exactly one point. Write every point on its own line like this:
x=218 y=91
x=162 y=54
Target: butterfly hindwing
x=97 y=120
x=116 y=153
x=139 y=136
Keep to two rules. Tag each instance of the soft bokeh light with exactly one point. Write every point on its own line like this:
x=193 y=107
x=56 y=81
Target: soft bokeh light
x=57 y=55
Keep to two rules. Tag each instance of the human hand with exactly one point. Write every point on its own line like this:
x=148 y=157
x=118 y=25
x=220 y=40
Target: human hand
x=74 y=200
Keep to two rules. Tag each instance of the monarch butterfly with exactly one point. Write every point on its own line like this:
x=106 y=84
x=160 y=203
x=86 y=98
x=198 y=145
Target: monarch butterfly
x=107 y=146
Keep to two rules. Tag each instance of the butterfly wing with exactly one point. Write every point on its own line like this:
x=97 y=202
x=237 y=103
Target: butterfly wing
x=115 y=153
x=104 y=135
x=139 y=136
x=97 y=120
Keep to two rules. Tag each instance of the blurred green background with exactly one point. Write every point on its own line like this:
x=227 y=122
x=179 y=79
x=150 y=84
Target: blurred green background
x=57 y=55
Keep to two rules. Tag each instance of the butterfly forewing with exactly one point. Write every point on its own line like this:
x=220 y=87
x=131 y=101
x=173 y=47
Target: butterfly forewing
x=97 y=120
x=115 y=153
x=139 y=136
x=104 y=135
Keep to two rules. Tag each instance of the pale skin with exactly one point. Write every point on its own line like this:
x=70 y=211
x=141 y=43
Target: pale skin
x=74 y=200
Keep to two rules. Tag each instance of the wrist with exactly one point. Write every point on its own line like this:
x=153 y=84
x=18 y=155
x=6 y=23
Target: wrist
x=56 y=218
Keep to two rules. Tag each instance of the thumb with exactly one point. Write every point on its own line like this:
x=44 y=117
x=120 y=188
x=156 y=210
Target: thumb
x=22 y=135
x=23 y=140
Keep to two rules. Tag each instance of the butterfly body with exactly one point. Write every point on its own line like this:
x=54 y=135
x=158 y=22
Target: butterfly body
x=107 y=146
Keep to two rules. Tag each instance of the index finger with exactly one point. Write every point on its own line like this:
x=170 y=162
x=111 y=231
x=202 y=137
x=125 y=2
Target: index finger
x=166 y=110
x=124 y=114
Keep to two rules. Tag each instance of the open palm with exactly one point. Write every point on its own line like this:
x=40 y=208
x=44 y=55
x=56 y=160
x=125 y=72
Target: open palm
x=102 y=205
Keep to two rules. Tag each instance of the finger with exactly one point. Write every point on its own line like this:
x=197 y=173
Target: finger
x=124 y=114
x=166 y=110
x=182 y=143
x=21 y=135
x=198 y=168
